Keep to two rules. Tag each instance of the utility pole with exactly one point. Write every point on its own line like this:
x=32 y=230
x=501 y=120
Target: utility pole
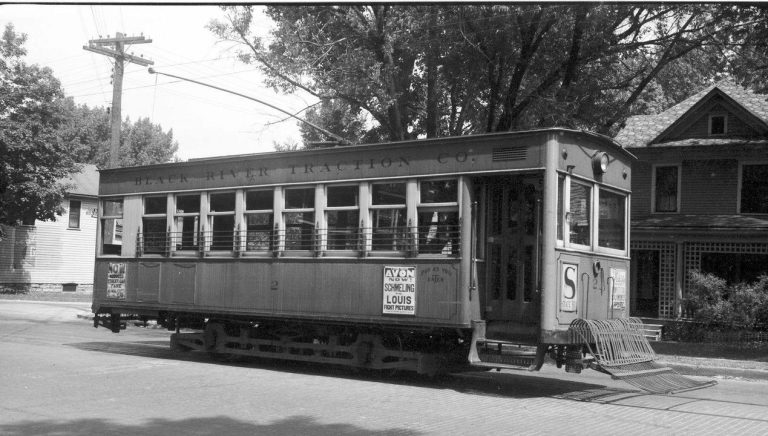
x=115 y=48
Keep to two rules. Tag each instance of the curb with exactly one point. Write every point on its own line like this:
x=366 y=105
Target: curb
x=715 y=371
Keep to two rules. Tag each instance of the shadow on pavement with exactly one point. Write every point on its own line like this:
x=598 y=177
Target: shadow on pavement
x=211 y=425
x=487 y=383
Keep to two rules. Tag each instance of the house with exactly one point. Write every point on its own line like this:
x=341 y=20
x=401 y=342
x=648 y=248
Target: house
x=699 y=195
x=55 y=256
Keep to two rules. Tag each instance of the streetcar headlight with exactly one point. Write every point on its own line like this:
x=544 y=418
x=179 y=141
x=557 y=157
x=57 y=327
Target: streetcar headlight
x=600 y=162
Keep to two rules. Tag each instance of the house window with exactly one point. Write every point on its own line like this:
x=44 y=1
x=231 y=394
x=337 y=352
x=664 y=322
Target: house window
x=718 y=124
x=112 y=226
x=259 y=220
x=299 y=218
x=154 y=223
x=187 y=222
x=74 y=214
x=754 y=188
x=580 y=214
x=388 y=217
x=343 y=217
x=667 y=181
x=438 y=217
x=221 y=219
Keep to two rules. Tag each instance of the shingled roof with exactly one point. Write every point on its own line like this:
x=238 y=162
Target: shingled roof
x=85 y=182
x=641 y=130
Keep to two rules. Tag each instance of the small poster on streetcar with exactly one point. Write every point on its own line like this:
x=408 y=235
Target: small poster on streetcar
x=399 y=290
x=116 y=281
x=619 y=288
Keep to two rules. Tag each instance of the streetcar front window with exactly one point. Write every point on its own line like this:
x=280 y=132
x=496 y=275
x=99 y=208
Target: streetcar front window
x=611 y=220
x=580 y=214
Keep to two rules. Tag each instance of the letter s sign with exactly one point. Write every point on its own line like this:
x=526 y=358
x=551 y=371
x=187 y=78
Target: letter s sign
x=569 y=274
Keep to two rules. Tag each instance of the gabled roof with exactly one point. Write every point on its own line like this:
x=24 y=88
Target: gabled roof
x=86 y=182
x=641 y=130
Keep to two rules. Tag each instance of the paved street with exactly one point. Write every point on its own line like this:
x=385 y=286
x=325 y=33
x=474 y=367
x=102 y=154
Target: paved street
x=61 y=376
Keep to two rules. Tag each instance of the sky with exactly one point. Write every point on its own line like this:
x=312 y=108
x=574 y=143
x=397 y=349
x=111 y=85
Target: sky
x=205 y=122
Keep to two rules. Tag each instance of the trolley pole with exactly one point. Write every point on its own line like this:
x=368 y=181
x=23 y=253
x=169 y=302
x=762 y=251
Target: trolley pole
x=115 y=48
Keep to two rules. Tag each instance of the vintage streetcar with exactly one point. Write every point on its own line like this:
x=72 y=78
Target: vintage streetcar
x=487 y=251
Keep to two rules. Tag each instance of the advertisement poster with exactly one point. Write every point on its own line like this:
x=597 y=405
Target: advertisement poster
x=116 y=281
x=619 y=297
x=399 y=290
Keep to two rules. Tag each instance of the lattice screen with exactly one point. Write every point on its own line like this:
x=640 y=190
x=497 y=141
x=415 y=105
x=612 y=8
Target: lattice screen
x=666 y=274
x=693 y=251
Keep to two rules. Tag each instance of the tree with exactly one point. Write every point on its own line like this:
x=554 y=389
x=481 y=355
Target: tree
x=33 y=158
x=455 y=69
x=87 y=131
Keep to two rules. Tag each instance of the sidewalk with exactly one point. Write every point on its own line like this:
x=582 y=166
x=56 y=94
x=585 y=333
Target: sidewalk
x=713 y=360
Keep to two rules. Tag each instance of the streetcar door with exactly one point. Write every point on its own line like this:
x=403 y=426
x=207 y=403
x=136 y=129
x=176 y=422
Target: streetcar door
x=512 y=224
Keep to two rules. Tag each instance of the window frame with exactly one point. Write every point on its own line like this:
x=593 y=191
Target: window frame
x=209 y=221
x=371 y=247
x=625 y=221
x=250 y=212
x=439 y=207
x=356 y=207
x=711 y=117
x=678 y=187
x=175 y=245
x=77 y=216
x=740 y=187
x=154 y=216
x=102 y=224
x=284 y=224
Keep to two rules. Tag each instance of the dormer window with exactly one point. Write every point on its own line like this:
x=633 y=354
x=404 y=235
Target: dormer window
x=717 y=124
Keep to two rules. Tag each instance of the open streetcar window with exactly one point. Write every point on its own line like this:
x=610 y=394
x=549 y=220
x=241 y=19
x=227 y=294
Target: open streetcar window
x=343 y=217
x=154 y=236
x=580 y=214
x=611 y=220
x=299 y=218
x=438 y=217
x=259 y=220
x=388 y=217
x=221 y=219
x=112 y=226
x=187 y=222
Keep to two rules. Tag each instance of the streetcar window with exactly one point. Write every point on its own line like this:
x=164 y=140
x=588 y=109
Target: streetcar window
x=560 y=190
x=221 y=219
x=343 y=217
x=388 y=194
x=439 y=191
x=187 y=222
x=580 y=214
x=112 y=227
x=611 y=220
x=299 y=218
x=259 y=220
x=665 y=188
x=438 y=225
x=154 y=224
x=388 y=217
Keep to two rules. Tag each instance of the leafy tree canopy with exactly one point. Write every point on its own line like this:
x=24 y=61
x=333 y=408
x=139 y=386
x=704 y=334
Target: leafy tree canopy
x=33 y=160
x=454 y=69
x=45 y=135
